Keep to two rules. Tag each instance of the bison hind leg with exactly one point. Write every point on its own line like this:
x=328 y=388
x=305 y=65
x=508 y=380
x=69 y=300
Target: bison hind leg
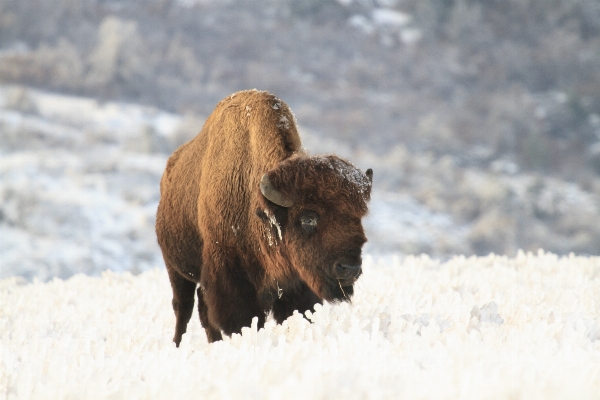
x=212 y=333
x=183 y=302
x=301 y=300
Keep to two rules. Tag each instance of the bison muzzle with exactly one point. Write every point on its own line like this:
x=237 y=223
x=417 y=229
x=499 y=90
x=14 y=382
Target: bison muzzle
x=252 y=224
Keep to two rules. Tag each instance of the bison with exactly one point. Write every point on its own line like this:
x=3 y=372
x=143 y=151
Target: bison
x=254 y=223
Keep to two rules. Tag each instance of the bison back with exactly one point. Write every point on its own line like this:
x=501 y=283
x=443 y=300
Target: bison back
x=210 y=186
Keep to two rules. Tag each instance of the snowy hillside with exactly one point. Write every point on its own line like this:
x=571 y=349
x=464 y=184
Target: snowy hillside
x=477 y=328
x=480 y=119
x=80 y=186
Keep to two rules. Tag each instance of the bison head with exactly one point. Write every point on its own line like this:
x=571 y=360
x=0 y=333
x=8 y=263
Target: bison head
x=314 y=206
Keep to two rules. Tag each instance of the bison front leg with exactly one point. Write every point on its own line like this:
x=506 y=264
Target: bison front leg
x=183 y=302
x=230 y=298
x=300 y=300
x=212 y=334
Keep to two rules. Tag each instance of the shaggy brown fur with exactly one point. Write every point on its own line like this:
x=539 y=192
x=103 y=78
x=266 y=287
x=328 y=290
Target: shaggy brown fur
x=246 y=254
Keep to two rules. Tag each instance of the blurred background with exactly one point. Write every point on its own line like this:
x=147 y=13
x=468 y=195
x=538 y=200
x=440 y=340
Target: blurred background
x=480 y=118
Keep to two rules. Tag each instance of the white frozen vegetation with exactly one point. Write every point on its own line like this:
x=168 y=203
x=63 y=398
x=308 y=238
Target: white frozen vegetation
x=470 y=328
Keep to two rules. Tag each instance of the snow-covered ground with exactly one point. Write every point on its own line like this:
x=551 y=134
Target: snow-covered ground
x=470 y=328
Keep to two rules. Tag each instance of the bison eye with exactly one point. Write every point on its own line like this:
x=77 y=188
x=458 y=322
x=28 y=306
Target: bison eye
x=308 y=221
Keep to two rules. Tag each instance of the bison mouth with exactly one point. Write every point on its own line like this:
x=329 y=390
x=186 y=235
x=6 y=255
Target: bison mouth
x=333 y=283
x=338 y=291
x=340 y=283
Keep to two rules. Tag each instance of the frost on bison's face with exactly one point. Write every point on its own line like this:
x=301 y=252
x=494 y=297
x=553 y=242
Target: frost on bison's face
x=314 y=205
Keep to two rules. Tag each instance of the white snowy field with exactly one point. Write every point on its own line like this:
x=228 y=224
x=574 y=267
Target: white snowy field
x=470 y=328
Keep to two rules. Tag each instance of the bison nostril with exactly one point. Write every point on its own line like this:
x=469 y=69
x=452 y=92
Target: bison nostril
x=344 y=271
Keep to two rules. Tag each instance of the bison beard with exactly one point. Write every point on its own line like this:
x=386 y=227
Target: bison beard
x=251 y=224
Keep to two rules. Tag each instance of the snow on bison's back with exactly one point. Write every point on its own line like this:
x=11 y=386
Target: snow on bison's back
x=253 y=221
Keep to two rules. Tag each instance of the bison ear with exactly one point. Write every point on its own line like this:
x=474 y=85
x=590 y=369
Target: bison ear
x=272 y=194
x=369 y=174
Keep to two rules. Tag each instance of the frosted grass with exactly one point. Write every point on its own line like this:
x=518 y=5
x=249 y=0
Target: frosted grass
x=470 y=328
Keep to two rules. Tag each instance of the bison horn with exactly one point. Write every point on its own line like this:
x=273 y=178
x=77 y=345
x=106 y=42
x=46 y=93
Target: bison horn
x=272 y=194
x=369 y=174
